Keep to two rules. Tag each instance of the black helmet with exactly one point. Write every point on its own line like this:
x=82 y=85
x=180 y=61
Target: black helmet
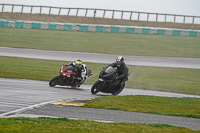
x=119 y=60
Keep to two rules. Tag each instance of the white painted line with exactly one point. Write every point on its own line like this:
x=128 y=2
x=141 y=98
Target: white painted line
x=25 y=108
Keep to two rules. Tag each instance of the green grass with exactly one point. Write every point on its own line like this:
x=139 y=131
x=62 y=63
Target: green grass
x=111 y=43
x=178 y=80
x=153 y=78
x=185 y=107
x=59 y=125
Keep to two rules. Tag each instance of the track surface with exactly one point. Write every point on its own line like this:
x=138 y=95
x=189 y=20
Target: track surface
x=33 y=97
x=101 y=58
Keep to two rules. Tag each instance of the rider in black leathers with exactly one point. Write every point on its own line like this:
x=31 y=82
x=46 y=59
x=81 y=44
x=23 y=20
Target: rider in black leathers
x=122 y=70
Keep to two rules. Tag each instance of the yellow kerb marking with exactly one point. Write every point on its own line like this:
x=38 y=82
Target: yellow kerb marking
x=71 y=103
x=68 y=104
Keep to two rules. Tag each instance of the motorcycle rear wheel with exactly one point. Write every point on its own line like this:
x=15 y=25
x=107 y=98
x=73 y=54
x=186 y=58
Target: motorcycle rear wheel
x=118 y=90
x=95 y=87
x=54 y=81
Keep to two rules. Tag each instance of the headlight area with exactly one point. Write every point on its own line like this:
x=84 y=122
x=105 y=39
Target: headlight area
x=65 y=75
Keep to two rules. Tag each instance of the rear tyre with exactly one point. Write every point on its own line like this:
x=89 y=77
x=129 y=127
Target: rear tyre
x=118 y=90
x=54 y=81
x=96 y=86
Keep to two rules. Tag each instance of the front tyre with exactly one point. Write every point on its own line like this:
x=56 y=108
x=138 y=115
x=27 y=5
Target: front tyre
x=96 y=86
x=54 y=81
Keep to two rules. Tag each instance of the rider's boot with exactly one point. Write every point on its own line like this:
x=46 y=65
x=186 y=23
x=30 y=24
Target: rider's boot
x=80 y=80
x=83 y=79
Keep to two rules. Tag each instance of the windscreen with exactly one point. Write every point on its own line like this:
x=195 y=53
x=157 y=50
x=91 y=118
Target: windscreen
x=69 y=69
x=110 y=70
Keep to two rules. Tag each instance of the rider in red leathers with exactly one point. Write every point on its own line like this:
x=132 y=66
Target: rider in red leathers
x=82 y=71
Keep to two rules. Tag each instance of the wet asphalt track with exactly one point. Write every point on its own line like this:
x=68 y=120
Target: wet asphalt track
x=32 y=97
x=25 y=97
x=101 y=58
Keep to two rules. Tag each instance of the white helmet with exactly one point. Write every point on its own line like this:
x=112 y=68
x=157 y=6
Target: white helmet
x=119 y=60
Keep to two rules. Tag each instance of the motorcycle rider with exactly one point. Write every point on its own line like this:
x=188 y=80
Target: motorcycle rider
x=122 y=70
x=82 y=70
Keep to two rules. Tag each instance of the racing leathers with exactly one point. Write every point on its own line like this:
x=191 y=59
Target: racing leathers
x=122 y=71
x=82 y=71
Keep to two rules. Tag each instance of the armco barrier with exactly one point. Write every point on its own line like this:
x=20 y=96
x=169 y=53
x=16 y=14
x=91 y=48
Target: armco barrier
x=98 y=28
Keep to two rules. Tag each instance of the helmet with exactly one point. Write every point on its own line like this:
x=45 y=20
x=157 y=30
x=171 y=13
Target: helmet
x=78 y=63
x=119 y=60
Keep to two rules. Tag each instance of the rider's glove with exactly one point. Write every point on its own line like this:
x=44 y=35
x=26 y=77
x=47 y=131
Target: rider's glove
x=73 y=64
x=117 y=77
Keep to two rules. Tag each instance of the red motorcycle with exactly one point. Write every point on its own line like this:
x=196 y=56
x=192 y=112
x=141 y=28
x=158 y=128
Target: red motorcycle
x=68 y=77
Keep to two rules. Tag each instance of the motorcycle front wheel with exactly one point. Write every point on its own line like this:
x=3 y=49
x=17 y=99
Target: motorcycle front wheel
x=96 y=86
x=54 y=81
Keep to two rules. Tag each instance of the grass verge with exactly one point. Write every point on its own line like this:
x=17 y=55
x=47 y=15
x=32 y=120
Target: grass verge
x=180 y=80
x=111 y=43
x=185 y=107
x=52 y=125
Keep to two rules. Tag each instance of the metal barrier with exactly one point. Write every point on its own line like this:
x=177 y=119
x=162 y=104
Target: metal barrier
x=138 y=15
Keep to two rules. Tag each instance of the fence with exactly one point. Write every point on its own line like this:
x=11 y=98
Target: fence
x=104 y=13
